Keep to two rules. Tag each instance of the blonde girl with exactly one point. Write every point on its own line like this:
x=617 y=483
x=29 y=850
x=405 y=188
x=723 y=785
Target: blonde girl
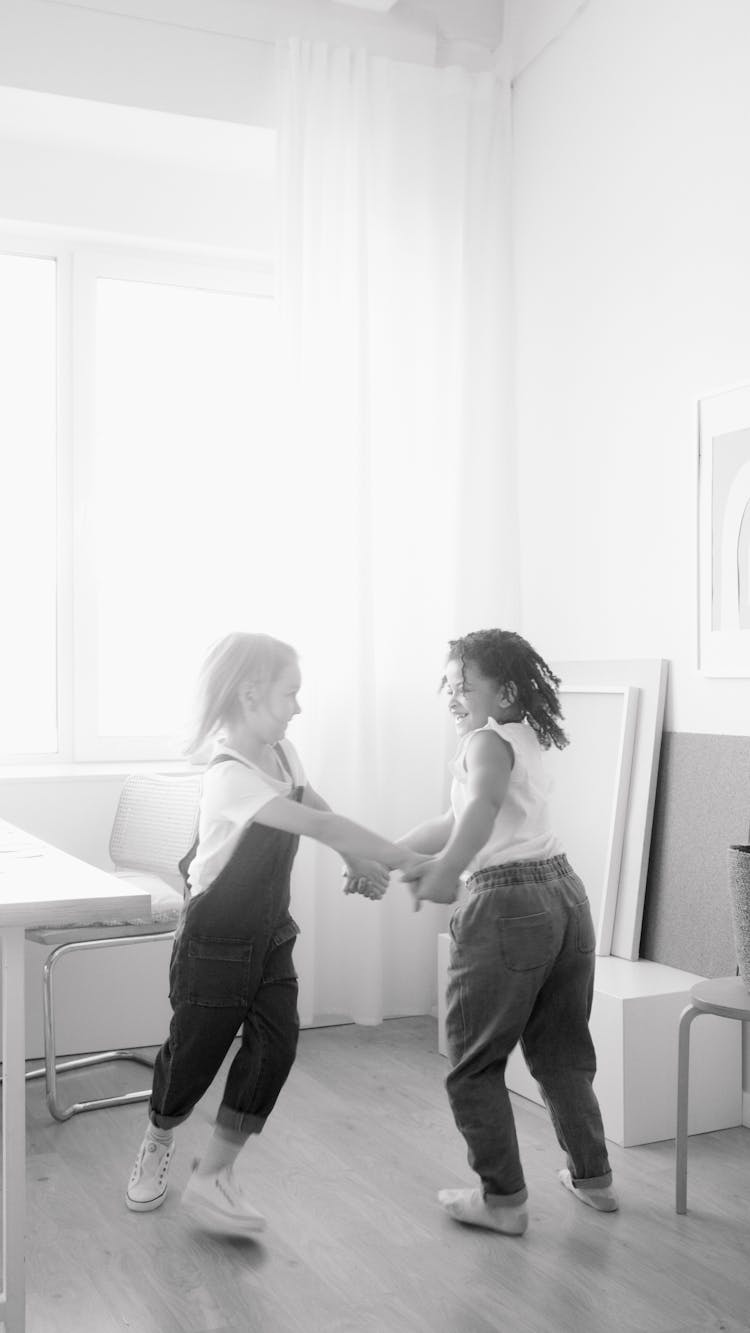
x=231 y=965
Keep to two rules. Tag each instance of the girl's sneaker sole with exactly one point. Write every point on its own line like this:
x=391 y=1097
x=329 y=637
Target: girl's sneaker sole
x=147 y=1206
x=201 y=1212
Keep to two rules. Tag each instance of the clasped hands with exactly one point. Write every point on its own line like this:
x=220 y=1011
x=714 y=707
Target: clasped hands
x=428 y=877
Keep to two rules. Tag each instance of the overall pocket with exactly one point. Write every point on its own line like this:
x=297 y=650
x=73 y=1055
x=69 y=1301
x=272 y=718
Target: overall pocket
x=287 y=930
x=218 y=972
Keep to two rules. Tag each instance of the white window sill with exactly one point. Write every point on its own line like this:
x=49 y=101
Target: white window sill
x=121 y=768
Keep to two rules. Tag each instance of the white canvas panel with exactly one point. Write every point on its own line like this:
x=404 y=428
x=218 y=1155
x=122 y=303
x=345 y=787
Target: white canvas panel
x=649 y=678
x=590 y=783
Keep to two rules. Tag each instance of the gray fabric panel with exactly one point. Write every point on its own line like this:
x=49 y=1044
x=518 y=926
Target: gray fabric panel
x=739 y=879
x=702 y=807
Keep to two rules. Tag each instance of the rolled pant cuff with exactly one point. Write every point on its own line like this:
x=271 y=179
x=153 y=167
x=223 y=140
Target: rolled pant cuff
x=166 y=1121
x=242 y=1122
x=594 y=1182
x=506 y=1200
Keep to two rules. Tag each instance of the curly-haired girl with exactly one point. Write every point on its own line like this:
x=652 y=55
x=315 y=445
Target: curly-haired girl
x=522 y=937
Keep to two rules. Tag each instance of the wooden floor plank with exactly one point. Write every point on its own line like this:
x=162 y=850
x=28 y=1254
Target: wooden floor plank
x=347 y=1172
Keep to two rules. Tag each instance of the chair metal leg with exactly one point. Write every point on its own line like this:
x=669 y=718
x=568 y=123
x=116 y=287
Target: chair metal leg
x=683 y=1088
x=52 y=1066
x=104 y=1057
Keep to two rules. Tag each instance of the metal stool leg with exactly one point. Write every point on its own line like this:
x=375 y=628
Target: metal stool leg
x=52 y=1067
x=683 y=1089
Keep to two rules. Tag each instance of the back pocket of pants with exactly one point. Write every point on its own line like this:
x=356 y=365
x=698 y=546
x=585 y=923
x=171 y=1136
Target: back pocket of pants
x=585 y=933
x=526 y=941
x=219 y=972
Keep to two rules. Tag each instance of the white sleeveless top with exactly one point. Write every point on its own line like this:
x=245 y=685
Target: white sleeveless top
x=521 y=831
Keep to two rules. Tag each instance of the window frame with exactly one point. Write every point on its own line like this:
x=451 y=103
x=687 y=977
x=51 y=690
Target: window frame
x=81 y=262
x=33 y=245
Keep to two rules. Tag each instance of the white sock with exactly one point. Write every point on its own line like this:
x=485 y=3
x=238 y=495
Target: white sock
x=165 y=1136
x=222 y=1150
x=604 y=1200
x=471 y=1207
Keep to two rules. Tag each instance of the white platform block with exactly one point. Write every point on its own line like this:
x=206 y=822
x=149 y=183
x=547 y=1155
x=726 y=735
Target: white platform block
x=634 y=1022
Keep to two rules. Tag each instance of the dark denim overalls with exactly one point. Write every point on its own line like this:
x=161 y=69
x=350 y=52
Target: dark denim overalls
x=232 y=967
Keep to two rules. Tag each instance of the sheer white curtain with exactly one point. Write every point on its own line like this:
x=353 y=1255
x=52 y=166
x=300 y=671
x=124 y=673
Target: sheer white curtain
x=398 y=493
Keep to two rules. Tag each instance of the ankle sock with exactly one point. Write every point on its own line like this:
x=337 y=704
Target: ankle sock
x=471 y=1207
x=604 y=1200
x=165 y=1136
x=223 y=1149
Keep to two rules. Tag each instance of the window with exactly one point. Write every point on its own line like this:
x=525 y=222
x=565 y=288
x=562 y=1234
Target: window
x=28 y=505
x=169 y=369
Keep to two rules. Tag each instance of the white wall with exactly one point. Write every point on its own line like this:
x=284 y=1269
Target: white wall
x=632 y=273
x=153 y=177
x=632 y=288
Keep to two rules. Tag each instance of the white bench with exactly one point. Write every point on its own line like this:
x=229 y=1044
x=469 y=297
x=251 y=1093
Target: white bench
x=634 y=1023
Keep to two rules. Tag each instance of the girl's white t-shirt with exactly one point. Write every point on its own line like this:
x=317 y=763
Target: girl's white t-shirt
x=232 y=796
x=521 y=831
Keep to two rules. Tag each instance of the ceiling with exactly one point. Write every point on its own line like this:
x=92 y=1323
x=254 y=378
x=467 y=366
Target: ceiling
x=478 y=22
x=470 y=30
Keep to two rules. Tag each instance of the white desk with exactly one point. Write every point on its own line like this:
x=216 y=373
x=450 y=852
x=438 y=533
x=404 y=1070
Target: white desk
x=39 y=886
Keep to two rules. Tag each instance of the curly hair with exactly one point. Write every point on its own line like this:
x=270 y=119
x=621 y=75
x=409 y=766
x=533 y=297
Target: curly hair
x=505 y=657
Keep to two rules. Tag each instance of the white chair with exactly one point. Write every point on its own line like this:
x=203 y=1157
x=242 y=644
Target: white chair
x=155 y=825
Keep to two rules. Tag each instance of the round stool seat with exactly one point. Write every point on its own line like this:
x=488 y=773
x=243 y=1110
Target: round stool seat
x=726 y=996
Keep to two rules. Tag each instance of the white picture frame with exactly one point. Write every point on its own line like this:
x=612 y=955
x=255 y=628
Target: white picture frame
x=590 y=785
x=649 y=677
x=724 y=533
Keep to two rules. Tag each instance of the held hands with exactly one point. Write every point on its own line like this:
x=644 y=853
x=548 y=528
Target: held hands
x=427 y=877
x=431 y=880
x=367 y=878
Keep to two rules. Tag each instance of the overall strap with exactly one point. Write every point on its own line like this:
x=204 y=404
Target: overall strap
x=184 y=864
x=278 y=751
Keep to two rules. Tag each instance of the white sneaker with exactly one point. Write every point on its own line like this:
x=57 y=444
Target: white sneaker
x=147 y=1186
x=218 y=1202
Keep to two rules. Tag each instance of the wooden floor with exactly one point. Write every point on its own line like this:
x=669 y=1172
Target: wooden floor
x=346 y=1173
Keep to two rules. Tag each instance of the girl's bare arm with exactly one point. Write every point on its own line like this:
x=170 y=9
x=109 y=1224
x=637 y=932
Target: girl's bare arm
x=343 y=835
x=431 y=836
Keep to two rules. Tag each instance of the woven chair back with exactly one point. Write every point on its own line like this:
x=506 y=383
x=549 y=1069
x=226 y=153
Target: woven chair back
x=156 y=821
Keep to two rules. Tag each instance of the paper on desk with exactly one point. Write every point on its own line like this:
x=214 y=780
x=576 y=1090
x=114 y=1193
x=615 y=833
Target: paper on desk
x=15 y=846
x=15 y=843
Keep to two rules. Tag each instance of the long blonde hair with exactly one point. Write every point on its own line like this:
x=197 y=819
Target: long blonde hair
x=236 y=660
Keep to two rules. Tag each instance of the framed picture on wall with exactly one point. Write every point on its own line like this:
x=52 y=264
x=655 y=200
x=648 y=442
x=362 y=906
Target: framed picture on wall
x=724 y=533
